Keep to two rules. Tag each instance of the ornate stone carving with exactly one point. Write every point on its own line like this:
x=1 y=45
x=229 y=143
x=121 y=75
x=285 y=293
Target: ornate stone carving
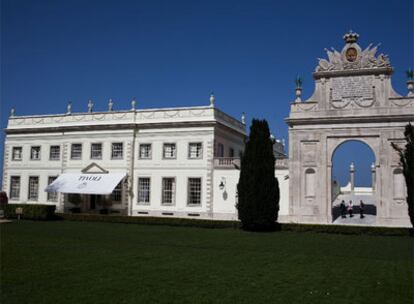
x=352 y=57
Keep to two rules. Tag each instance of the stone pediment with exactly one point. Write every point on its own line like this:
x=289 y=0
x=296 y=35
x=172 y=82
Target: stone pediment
x=94 y=168
x=353 y=59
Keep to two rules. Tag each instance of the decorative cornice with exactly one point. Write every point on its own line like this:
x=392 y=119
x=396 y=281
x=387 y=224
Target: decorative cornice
x=341 y=73
x=341 y=120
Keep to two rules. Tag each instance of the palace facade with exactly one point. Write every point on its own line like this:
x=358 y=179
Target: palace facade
x=181 y=162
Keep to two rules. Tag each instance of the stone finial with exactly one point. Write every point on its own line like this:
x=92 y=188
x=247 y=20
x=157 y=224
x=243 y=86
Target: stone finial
x=352 y=167
x=410 y=81
x=212 y=99
x=110 y=105
x=90 y=106
x=69 y=108
x=283 y=142
x=298 y=94
x=133 y=104
x=351 y=37
x=243 y=118
x=372 y=167
x=12 y=112
x=298 y=90
x=272 y=138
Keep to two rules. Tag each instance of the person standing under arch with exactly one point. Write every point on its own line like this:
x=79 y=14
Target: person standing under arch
x=350 y=209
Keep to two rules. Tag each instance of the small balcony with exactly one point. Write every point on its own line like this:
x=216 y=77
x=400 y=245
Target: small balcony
x=227 y=162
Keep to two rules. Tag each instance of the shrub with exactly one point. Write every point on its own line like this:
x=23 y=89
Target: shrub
x=200 y=223
x=258 y=188
x=147 y=220
x=31 y=211
x=343 y=229
x=3 y=200
x=407 y=162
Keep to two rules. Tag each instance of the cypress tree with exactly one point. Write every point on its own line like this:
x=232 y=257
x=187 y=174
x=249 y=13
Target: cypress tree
x=407 y=162
x=258 y=188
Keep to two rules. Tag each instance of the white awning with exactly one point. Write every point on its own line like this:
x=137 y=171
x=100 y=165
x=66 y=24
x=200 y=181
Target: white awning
x=86 y=183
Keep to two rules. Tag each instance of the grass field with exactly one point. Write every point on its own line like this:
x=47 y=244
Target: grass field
x=74 y=262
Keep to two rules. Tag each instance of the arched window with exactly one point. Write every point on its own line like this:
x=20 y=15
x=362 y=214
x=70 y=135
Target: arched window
x=399 y=184
x=310 y=182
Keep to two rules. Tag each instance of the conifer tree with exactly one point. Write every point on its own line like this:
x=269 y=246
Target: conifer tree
x=258 y=188
x=407 y=162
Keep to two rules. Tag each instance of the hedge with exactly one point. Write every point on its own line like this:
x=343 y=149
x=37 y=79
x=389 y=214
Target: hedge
x=345 y=229
x=31 y=211
x=146 y=220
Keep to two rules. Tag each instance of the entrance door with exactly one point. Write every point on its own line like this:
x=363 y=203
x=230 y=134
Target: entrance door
x=94 y=200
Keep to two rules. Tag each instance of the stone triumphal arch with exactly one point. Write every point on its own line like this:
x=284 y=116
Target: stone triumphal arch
x=353 y=100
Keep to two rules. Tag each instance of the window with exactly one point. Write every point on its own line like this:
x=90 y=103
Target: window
x=117 y=151
x=52 y=196
x=96 y=151
x=194 y=191
x=220 y=150
x=35 y=153
x=54 y=153
x=33 y=188
x=145 y=151
x=195 y=150
x=76 y=151
x=14 y=187
x=231 y=152
x=116 y=195
x=17 y=153
x=144 y=190
x=168 y=191
x=169 y=151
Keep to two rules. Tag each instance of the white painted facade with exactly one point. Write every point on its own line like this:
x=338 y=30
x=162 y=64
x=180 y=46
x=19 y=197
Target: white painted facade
x=220 y=137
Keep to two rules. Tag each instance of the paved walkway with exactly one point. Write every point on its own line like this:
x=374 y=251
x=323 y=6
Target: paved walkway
x=370 y=210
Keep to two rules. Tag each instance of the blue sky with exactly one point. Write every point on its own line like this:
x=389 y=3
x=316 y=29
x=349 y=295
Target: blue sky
x=173 y=53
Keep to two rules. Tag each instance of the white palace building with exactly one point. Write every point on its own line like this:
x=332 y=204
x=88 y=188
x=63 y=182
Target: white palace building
x=181 y=162
x=185 y=162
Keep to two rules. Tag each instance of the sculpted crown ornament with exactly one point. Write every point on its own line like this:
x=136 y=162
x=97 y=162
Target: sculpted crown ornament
x=351 y=37
x=352 y=57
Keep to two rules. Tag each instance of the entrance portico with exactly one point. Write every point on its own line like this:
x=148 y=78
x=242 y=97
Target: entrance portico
x=353 y=100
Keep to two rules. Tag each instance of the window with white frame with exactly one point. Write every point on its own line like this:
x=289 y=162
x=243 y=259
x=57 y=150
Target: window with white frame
x=194 y=191
x=33 y=193
x=96 y=151
x=14 y=187
x=35 y=152
x=116 y=195
x=168 y=191
x=117 y=151
x=144 y=190
x=195 y=150
x=145 y=151
x=76 y=151
x=169 y=151
x=54 y=153
x=17 y=153
x=52 y=196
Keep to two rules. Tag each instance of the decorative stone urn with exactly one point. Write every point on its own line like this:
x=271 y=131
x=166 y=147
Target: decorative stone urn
x=298 y=93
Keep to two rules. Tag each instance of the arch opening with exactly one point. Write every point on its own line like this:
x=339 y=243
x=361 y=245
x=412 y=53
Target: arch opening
x=353 y=182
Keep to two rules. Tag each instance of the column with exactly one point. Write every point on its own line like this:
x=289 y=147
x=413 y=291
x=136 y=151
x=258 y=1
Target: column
x=373 y=177
x=352 y=176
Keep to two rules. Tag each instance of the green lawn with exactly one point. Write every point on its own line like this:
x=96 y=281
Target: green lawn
x=74 y=262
